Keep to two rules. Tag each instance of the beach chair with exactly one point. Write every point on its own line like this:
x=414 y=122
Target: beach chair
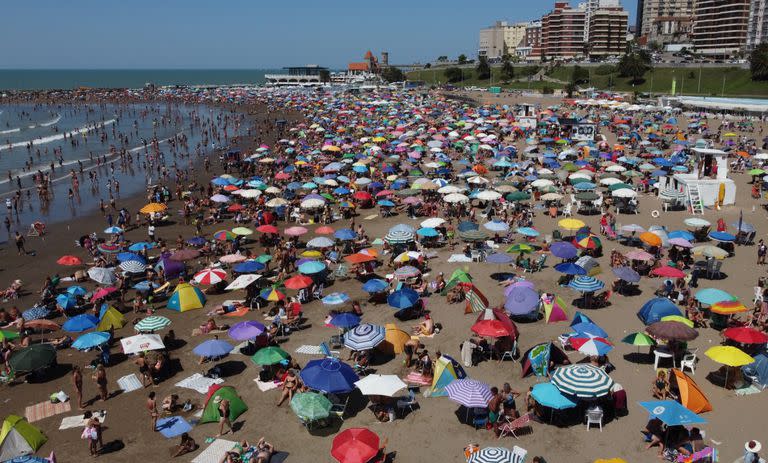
x=594 y=416
x=689 y=361
x=327 y=351
x=408 y=402
x=539 y=264
x=317 y=293
x=510 y=354
x=341 y=273
x=338 y=405
x=479 y=417
x=510 y=427
x=568 y=210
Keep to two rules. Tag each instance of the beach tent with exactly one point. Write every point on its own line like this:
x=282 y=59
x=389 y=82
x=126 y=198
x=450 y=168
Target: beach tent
x=458 y=276
x=18 y=437
x=216 y=394
x=446 y=370
x=186 y=297
x=656 y=309
x=579 y=317
x=554 y=309
x=536 y=360
x=691 y=396
x=109 y=317
x=475 y=300
x=758 y=369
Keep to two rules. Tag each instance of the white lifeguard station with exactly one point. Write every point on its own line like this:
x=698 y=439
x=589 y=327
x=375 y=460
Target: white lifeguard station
x=702 y=187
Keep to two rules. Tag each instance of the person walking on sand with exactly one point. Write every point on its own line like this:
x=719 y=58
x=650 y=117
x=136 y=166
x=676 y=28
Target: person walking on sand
x=77 y=383
x=100 y=377
x=224 y=417
x=20 y=243
x=152 y=408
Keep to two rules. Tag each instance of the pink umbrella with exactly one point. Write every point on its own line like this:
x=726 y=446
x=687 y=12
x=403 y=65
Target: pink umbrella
x=639 y=255
x=232 y=258
x=295 y=231
x=412 y=200
x=210 y=276
x=103 y=292
x=682 y=242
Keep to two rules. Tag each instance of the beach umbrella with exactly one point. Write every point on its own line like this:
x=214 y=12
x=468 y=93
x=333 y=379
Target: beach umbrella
x=499 y=258
x=709 y=251
x=495 y=455
x=103 y=292
x=91 y=340
x=586 y=284
x=547 y=395
x=729 y=355
x=381 y=385
x=432 y=222
x=269 y=355
x=638 y=339
x=113 y=230
x=405 y=272
x=591 y=346
x=107 y=248
x=345 y=234
x=248 y=266
x=697 y=222
x=69 y=261
x=563 y=250
x=527 y=231
x=520 y=248
x=492 y=328
x=571 y=224
x=345 y=320
x=298 y=282
x=364 y=336
x=375 y=285
x=295 y=231
x=679 y=319
x=77 y=291
x=246 y=330
x=745 y=335
x=66 y=301
x=242 y=231
x=271 y=294
x=102 y=275
x=712 y=296
x=640 y=255
x=35 y=313
x=324 y=230
x=496 y=226
x=722 y=236
x=242 y=282
x=355 y=445
x=587 y=241
x=336 y=299
x=668 y=272
x=682 y=242
x=672 y=331
x=399 y=236
x=213 y=348
x=521 y=301
x=34 y=357
x=6 y=335
x=627 y=274
x=329 y=375
x=183 y=255
x=151 y=324
x=672 y=413
x=743 y=227
x=133 y=266
x=728 y=307
x=267 y=228
x=129 y=256
x=153 y=208
x=403 y=298
x=311 y=406
x=311 y=267
x=224 y=235
x=582 y=380
x=80 y=323
x=394 y=339
x=469 y=392
x=569 y=268
x=141 y=343
x=588 y=328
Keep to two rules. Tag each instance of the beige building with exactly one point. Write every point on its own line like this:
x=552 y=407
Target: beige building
x=665 y=21
x=501 y=38
x=607 y=32
x=720 y=26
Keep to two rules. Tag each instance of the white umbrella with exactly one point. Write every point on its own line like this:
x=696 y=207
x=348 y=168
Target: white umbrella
x=384 y=385
x=276 y=202
x=616 y=168
x=552 y=197
x=433 y=222
x=141 y=343
x=455 y=198
x=250 y=193
x=312 y=203
x=102 y=275
x=488 y=195
x=608 y=181
x=477 y=180
x=448 y=189
x=624 y=193
x=242 y=282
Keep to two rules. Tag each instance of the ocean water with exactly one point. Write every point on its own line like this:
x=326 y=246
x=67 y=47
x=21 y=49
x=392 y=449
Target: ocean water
x=43 y=79
x=32 y=139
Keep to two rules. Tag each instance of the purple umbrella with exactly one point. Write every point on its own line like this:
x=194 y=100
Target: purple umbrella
x=246 y=330
x=469 y=392
x=521 y=301
x=213 y=348
x=563 y=250
x=171 y=268
x=518 y=284
x=499 y=258
x=627 y=274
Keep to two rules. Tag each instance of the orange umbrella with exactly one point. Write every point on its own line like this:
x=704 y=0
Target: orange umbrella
x=370 y=252
x=480 y=169
x=650 y=239
x=728 y=307
x=394 y=339
x=69 y=261
x=359 y=258
x=324 y=230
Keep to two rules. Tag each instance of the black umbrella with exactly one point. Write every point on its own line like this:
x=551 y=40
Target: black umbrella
x=33 y=358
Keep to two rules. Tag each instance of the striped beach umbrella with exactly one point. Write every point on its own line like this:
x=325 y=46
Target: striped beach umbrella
x=311 y=406
x=152 y=324
x=469 y=392
x=398 y=236
x=210 y=276
x=586 y=284
x=582 y=380
x=133 y=266
x=496 y=455
x=364 y=336
x=224 y=235
x=406 y=271
x=336 y=299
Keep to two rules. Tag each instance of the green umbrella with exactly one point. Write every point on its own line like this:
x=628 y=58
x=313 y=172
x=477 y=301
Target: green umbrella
x=269 y=356
x=639 y=339
x=311 y=406
x=570 y=167
x=408 y=192
x=631 y=173
x=577 y=180
x=473 y=235
x=33 y=358
x=518 y=196
x=6 y=335
x=756 y=172
x=520 y=248
x=586 y=196
x=264 y=258
x=619 y=186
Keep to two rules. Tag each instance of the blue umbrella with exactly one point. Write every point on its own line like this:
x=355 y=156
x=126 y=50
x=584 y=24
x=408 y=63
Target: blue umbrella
x=196 y=241
x=77 y=291
x=403 y=298
x=427 y=232
x=345 y=234
x=386 y=203
x=218 y=181
x=579 y=317
x=66 y=301
x=336 y=299
x=311 y=267
x=569 y=268
x=711 y=296
x=145 y=285
x=589 y=329
x=80 y=323
x=547 y=395
x=375 y=285
x=466 y=226
x=126 y=256
x=584 y=186
x=329 y=375
x=499 y=258
x=249 y=266
x=586 y=284
x=722 y=236
x=528 y=231
x=672 y=413
x=563 y=250
x=345 y=320
x=91 y=340
x=684 y=234
x=743 y=227
x=522 y=300
x=140 y=246
x=627 y=274
x=213 y=348
x=496 y=226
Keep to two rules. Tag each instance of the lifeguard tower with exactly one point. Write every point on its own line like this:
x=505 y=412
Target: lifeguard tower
x=703 y=186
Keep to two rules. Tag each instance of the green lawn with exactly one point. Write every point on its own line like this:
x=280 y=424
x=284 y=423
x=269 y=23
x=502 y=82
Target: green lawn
x=737 y=81
x=437 y=76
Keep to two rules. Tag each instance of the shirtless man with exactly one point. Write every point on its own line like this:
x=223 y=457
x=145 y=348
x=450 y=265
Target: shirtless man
x=152 y=408
x=77 y=383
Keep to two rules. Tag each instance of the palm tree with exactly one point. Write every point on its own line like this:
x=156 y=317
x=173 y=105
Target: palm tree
x=758 y=62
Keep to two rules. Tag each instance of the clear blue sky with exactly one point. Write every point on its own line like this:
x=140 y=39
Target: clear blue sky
x=124 y=34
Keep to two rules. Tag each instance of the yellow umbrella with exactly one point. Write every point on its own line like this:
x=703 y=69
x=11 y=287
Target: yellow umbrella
x=729 y=355
x=394 y=339
x=332 y=148
x=730 y=134
x=311 y=254
x=153 y=208
x=728 y=307
x=709 y=251
x=571 y=224
x=678 y=318
x=242 y=231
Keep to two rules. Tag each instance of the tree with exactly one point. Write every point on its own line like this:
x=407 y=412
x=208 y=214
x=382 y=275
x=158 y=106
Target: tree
x=393 y=74
x=758 y=62
x=506 y=67
x=579 y=75
x=442 y=59
x=483 y=69
x=634 y=65
x=462 y=59
x=453 y=74
x=428 y=65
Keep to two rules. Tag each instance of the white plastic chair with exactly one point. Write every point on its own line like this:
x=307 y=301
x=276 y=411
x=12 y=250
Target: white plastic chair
x=594 y=416
x=510 y=354
x=689 y=361
x=758 y=295
x=568 y=210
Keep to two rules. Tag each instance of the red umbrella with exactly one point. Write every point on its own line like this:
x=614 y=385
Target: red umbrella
x=355 y=445
x=69 y=260
x=42 y=324
x=746 y=335
x=324 y=230
x=362 y=195
x=298 y=282
x=491 y=328
x=668 y=272
x=103 y=292
x=267 y=229
x=235 y=208
x=500 y=315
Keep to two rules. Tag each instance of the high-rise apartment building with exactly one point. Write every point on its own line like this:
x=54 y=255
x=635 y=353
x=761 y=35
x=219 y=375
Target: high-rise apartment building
x=607 y=32
x=562 y=31
x=757 y=29
x=665 y=21
x=720 y=26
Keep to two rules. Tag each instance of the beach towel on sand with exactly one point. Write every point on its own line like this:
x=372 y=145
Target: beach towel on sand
x=78 y=421
x=307 y=349
x=173 y=426
x=199 y=383
x=45 y=409
x=129 y=383
x=214 y=452
x=266 y=386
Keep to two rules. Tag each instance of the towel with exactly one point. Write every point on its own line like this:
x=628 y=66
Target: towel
x=309 y=350
x=78 y=421
x=173 y=426
x=418 y=379
x=214 y=452
x=129 y=383
x=266 y=386
x=466 y=353
x=45 y=409
x=748 y=390
x=199 y=383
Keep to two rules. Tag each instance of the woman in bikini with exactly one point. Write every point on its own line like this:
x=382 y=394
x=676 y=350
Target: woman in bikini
x=101 y=381
x=141 y=362
x=290 y=386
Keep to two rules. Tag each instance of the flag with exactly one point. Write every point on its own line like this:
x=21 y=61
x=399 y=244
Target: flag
x=476 y=301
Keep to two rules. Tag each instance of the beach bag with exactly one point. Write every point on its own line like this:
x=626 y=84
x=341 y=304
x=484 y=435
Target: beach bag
x=214 y=373
x=89 y=432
